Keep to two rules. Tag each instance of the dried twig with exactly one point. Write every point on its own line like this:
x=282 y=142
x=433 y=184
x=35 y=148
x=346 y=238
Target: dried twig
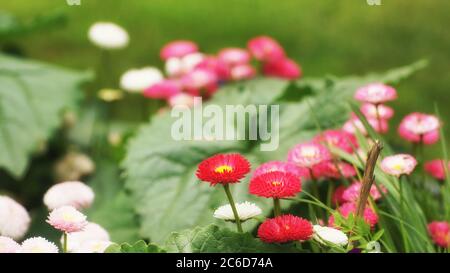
x=368 y=177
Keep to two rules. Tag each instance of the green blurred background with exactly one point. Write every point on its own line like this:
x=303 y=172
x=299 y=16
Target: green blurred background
x=326 y=37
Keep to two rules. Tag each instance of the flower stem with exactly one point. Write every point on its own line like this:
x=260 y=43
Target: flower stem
x=276 y=207
x=64 y=242
x=402 y=211
x=233 y=207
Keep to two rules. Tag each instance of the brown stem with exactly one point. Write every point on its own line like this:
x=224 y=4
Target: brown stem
x=368 y=177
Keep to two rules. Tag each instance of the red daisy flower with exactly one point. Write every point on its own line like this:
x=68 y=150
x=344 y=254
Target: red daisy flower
x=285 y=228
x=223 y=169
x=275 y=185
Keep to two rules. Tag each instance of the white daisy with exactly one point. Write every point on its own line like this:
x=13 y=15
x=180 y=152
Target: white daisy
x=136 y=80
x=93 y=247
x=91 y=232
x=71 y=193
x=38 y=245
x=14 y=219
x=108 y=35
x=325 y=235
x=245 y=210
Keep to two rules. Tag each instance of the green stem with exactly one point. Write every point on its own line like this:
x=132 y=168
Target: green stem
x=276 y=207
x=402 y=210
x=65 y=242
x=233 y=207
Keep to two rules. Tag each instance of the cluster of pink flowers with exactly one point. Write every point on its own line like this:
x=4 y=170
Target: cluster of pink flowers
x=415 y=127
x=193 y=73
x=314 y=157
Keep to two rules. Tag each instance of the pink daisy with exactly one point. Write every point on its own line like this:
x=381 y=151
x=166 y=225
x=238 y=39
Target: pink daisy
x=436 y=168
x=351 y=193
x=399 y=164
x=308 y=154
x=370 y=217
x=67 y=219
x=370 y=111
x=279 y=166
x=376 y=93
x=339 y=139
x=265 y=48
x=178 y=49
x=419 y=127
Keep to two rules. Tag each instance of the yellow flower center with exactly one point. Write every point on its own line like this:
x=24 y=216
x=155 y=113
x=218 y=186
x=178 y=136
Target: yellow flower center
x=286 y=227
x=308 y=152
x=276 y=183
x=68 y=217
x=223 y=169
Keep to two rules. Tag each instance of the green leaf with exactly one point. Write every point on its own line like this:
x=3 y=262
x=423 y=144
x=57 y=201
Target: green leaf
x=160 y=172
x=138 y=247
x=11 y=26
x=212 y=239
x=112 y=208
x=32 y=99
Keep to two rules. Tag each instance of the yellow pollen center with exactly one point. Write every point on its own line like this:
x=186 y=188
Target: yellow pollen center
x=397 y=167
x=223 y=169
x=286 y=227
x=276 y=183
x=68 y=217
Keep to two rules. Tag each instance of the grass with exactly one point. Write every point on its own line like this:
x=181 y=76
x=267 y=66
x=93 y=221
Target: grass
x=326 y=37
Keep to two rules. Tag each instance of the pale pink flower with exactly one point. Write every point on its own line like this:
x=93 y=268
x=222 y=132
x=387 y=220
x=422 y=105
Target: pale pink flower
x=355 y=124
x=163 y=90
x=266 y=49
x=200 y=82
x=178 y=49
x=376 y=93
x=38 y=245
x=370 y=111
x=67 y=219
x=14 y=218
x=181 y=99
x=282 y=68
x=71 y=193
x=330 y=169
x=8 y=245
x=279 y=166
x=91 y=232
x=436 y=168
x=242 y=72
x=308 y=154
x=95 y=246
x=419 y=127
x=234 y=56
x=339 y=139
x=399 y=164
x=212 y=63
x=351 y=193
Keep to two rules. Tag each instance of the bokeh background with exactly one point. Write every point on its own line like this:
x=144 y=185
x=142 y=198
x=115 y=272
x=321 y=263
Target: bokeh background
x=326 y=37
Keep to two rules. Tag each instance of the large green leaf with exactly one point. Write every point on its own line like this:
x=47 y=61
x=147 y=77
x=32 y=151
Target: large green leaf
x=32 y=98
x=213 y=239
x=138 y=247
x=160 y=170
